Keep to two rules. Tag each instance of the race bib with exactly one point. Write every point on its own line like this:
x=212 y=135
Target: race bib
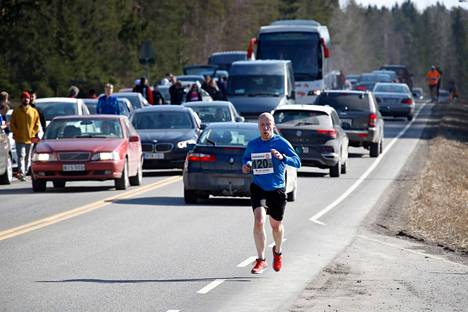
x=262 y=163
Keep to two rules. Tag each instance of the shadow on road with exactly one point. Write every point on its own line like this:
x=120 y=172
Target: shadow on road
x=161 y=173
x=179 y=201
x=178 y=280
x=309 y=174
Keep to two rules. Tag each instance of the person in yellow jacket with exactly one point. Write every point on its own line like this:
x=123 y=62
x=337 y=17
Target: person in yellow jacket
x=432 y=78
x=25 y=125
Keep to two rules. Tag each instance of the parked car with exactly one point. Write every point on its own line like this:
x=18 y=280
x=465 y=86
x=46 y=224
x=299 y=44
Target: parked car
x=391 y=73
x=167 y=132
x=223 y=60
x=138 y=101
x=404 y=76
x=94 y=147
x=125 y=105
x=255 y=87
x=214 y=166
x=395 y=99
x=57 y=106
x=316 y=134
x=367 y=81
x=418 y=93
x=360 y=117
x=215 y=111
x=6 y=159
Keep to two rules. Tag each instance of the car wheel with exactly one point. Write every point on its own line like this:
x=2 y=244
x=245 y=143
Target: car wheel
x=344 y=167
x=138 y=179
x=38 y=186
x=7 y=176
x=335 y=170
x=381 y=146
x=410 y=117
x=122 y=183
x=59 y=184
x=374 y=149
x=190 y=197
x=291 y=196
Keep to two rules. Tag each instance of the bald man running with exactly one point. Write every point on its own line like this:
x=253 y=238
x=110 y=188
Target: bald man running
x=266 y=158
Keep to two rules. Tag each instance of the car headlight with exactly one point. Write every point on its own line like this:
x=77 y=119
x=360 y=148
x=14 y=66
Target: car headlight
x=44 y=157
x=184 y=144
x=106 y=156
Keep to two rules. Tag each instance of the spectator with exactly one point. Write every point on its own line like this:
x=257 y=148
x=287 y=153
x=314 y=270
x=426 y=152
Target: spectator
x=222 y=83
x=92 y=94
x=432 y=78
x=212 y=88
x=453 y=91
x=167 y=80
x=107 y=103
x=144 y=89
x=73 y=92
x=158 y=98
x=177 y=93
x=25 y=125
x=193 y=94
x=4 y=104
x=42 y=119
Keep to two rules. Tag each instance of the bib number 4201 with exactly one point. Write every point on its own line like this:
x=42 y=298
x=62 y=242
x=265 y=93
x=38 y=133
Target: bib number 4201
x=262 y=163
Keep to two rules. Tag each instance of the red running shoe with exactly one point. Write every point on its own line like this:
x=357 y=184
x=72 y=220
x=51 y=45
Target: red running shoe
x=260 y=266
x=277 y=260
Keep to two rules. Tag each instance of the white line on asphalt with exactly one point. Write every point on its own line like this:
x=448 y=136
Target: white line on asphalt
x=315 y=218
x=210 y=286
x=246 y=262
x=172 y=310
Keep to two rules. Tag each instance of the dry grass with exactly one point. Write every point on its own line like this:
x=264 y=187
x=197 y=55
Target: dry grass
x=438 y=206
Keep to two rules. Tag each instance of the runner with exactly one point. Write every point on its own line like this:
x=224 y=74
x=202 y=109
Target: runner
x=266 y=157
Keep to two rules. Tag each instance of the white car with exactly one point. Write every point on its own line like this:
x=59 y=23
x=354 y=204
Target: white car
x=60 y=106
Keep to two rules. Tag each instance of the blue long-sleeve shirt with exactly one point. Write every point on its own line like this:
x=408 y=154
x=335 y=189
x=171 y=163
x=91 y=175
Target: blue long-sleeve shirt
x=269 y=172
x=108 y=105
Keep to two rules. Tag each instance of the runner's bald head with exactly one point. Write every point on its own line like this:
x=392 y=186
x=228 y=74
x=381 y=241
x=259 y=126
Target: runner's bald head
x=266 y=124
x=266 y=116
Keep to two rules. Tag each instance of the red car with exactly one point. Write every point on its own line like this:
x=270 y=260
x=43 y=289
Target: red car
x=92 y=147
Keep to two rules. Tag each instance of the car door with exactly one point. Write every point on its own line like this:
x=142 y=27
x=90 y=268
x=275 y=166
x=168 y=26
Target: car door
x=134 y=148
x=341 y=136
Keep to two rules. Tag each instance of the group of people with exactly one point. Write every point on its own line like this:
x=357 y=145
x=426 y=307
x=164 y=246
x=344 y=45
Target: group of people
x=433 y=80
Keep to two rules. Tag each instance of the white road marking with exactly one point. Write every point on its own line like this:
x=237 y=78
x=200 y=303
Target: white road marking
x=246 y=262
x=172 y=310
x=315 y=218
x=210 y=286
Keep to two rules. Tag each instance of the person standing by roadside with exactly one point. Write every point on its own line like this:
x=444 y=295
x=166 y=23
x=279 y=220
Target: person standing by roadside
x=193 y=94
x=92 y=94
x=266 y=157
x=25 y=125
x=177 y=92
x=107 y=103
x=144 y=89
x=73 y=92
x=158 y=98
x=42 y=119
x=432 y=79
x=4 y=104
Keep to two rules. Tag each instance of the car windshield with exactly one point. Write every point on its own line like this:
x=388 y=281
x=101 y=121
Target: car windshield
x=91 y=104
x=54 y=109
x=230 y=137
x=344 y=101
x=212 y=113
x=86 y=128
x=393 y=88
x=256 y=85
x=162 y=120
x=295 y=118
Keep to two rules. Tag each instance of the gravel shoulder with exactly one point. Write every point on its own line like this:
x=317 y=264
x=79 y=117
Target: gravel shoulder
x=411 y=254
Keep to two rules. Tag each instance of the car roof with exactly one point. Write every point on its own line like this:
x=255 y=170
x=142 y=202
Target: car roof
x=58 y=100
x=127 y=93
x=164 y=108
x=261 y=62
x=232 y=125
x=206 y=103
x=95 y=116
x=306 y=107
x=392 y=84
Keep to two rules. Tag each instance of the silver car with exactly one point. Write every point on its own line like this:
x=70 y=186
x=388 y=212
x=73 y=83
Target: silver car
x=395 y=99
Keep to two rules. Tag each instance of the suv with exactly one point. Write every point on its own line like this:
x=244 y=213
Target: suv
x=402 y=72
x=360 y=117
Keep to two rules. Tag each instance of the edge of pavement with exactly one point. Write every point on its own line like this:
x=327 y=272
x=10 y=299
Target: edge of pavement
x=386 y=271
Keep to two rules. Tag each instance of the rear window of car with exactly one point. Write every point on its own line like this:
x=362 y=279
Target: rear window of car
x=162 y=120
x=212 y=113
x=394 y=88
x=344 y=101
x=229 y=137
x=54 y=109
x=302 y=118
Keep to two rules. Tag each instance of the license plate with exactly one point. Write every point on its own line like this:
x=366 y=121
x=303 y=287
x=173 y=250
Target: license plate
x=74 y=167
x=302 y=149
x=153 y=155
x=347 y=121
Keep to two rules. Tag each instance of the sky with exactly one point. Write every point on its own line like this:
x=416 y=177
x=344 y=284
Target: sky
x=420 y=4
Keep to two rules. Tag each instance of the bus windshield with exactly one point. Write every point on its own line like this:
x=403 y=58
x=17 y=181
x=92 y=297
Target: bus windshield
x=301 y=48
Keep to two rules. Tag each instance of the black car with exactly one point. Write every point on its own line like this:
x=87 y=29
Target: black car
x=360 y=117
x=404 y=76
x=6 y=163
x=316 y=134
x=167 y=133
x=214 y=166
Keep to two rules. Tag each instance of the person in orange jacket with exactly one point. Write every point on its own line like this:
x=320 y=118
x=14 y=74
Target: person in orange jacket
x=25 y=125
x=432 y=78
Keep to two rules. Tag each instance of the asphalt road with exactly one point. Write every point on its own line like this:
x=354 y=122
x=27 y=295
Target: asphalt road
x=91 y=248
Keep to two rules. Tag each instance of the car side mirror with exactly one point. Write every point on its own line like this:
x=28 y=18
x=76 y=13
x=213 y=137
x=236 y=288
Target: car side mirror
x=240 y=119
x=134 y=138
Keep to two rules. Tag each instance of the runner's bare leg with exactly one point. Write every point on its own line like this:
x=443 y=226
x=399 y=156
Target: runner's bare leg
x=259 y=231
x=278 y=233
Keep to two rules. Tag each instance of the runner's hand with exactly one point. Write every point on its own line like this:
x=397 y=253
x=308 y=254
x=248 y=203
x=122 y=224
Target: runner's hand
x=246 y=169
x=277 y=154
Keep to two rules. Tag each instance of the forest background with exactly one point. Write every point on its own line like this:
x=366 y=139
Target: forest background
x=49 y=45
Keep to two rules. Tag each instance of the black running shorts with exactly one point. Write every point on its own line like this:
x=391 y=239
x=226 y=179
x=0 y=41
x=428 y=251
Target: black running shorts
x=273 y=201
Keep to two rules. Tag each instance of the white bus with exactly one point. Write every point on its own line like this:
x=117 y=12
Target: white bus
x=305 y=43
